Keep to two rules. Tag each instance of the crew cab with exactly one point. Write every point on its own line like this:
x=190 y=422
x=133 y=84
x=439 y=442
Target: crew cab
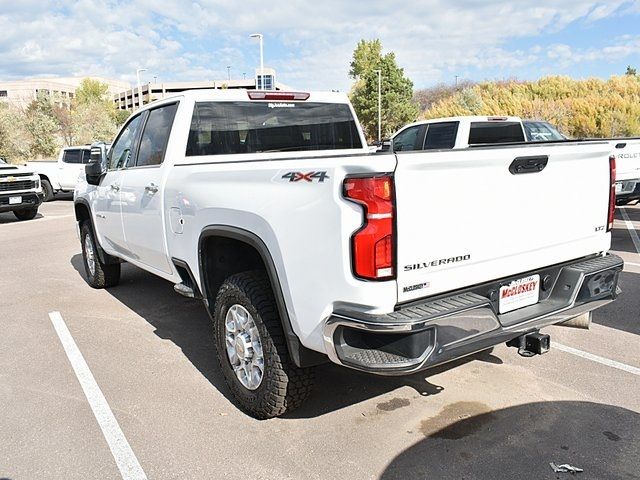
x=307 y=248
x=20 y=191
x=466 y=131
x=61 y=176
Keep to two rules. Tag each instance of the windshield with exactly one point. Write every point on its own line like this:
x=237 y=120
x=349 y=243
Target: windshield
x=219 y=128
x=541 y=132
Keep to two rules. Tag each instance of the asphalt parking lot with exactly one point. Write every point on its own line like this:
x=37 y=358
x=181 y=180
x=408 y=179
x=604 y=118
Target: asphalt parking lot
x=150 y=352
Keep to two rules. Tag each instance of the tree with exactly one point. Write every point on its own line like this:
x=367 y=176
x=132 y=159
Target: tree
x=41 y=124
x=579 y=108
x=630 y=70
x=398 y=107
x=93 y=115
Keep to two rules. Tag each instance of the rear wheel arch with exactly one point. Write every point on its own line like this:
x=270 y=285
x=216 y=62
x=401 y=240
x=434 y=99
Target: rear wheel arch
x=224 y=251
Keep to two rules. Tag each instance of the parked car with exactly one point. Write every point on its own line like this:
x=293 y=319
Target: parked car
x=306 y=248
x=61 y=176
x=20 y=191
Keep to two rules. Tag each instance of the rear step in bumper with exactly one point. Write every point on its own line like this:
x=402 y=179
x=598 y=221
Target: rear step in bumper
x=433 y=332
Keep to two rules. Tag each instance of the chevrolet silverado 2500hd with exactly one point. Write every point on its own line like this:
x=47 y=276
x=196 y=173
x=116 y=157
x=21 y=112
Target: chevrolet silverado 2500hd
x=306 y=248
x=61 y=176
x=20 y=191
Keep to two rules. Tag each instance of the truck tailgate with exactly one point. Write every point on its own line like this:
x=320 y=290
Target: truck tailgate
x=463 y=218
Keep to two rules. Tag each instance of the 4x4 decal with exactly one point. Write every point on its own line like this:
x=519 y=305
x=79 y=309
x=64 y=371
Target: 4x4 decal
x=306 y=177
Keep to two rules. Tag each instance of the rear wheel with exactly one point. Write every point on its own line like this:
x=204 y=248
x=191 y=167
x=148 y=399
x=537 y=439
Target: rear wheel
x=47 y=189
x=99 y=275
x=26 y=214
x=252 y=349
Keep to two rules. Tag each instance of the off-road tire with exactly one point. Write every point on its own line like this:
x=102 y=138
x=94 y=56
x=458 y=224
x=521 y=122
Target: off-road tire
x=26 y=214
x=104 y=276
x=47 y=189
x=284 y=386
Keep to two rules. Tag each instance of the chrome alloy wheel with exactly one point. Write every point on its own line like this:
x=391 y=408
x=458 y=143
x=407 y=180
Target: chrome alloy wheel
x=90 y=255
x=244 y=347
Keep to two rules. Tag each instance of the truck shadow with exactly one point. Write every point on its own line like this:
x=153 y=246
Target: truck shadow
x=9 y=217
x=521 y=441
x=186 y=323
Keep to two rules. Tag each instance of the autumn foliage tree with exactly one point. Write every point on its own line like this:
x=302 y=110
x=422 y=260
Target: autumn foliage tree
x=579 y=108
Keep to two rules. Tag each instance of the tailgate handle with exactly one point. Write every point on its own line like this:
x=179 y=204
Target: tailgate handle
x=528 y=164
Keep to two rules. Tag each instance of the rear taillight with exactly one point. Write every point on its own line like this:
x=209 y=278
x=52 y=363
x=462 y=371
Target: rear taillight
x=612 y=192
x=373 y=246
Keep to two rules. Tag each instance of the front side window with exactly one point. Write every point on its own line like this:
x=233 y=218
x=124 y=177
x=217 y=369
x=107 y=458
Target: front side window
x=219 y=128
x=122 y=148
x=72 y=156
x=441 y=136
x=86 y=156
x=406 y=140
x=155 y=136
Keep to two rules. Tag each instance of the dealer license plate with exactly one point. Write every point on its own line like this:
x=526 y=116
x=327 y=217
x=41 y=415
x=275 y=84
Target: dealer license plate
x=519 y=293
x=15 y=200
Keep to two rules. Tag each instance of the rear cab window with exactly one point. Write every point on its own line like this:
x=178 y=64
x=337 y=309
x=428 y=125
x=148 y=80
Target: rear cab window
x=482 y=133
x=222 y=128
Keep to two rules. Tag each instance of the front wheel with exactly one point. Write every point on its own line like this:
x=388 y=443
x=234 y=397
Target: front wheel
x=99 y=275
x=28 y=214
x=47 y=190
x=252 y=349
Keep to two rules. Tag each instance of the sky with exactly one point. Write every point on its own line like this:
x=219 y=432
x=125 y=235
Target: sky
x=310 y=43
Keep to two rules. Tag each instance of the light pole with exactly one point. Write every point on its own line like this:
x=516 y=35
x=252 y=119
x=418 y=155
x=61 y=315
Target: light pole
x=229 y=72
x=379 y=72
x=260 y=37
x=138 y=71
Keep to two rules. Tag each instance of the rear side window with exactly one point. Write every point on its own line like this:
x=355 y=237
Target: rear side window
x=219 y=128
x=153 y=143
x=441 y=136
x=72 y=156
x=495 y=132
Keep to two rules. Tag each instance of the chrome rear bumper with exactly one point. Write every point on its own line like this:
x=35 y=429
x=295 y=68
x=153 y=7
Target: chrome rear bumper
x=434 y=331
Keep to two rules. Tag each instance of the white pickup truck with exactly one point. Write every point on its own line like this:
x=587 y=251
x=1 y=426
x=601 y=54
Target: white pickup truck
x=20 y=191
x=472 y=131
x=306 y=248
x=466 y=131
x=61 y=176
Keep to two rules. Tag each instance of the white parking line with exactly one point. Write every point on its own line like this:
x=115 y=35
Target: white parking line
x=632 y=230
x=126 y=460
x=595 y=358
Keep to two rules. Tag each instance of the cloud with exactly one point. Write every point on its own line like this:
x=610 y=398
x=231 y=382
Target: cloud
x=310 y=44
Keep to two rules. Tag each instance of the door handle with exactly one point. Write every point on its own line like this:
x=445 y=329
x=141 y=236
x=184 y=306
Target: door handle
x=115 y=187
x=151 y=188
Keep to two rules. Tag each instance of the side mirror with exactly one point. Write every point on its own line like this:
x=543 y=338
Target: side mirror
x=97 y=166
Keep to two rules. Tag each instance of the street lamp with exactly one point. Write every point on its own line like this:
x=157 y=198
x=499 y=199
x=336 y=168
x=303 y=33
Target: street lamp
x=138 y=71
x=379 y=72
x=260 y=37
